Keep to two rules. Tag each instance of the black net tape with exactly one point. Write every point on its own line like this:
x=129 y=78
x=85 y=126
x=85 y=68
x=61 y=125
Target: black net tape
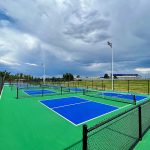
x=100 y=94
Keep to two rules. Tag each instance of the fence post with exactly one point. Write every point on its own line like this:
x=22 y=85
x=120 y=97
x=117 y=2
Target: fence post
x=104 y=87
x=148 y=87
x=113 y=85
x=102 y=84
x=140 y=123
x=84 y=142
x=128 y=86
x=92 y=84
x=61 y=90
x=17 y=92
x=83 y=91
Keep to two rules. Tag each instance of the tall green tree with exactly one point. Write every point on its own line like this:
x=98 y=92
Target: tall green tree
x=68 y=77
x=106 y=76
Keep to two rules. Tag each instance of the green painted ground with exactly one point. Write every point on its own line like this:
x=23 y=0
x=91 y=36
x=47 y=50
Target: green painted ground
x=145 y=143
x=25 y=124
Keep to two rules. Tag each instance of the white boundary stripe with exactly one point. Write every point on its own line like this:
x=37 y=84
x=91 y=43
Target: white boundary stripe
x=57 y=113
x=126 y=106
x=104 y=114
x=98 y=116
x=81 y=98
x=70 y=105
x=82 y=103
x=1 y=92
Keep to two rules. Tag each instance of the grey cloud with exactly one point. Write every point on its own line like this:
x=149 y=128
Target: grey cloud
x=73 y=32
x=91 y=28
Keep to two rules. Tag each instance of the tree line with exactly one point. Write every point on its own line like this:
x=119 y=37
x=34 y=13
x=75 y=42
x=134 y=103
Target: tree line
x=8 y=76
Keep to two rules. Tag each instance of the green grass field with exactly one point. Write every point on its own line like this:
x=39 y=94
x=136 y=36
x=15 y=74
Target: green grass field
x=135 y=86
x=25 y=124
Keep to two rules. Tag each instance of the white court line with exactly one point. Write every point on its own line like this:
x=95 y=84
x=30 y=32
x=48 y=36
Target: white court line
x=117 y=108
x=81 y=122
x=104 y=114
x=58 y=114
x=70 y=105
x=98 y=117
x=1 y=92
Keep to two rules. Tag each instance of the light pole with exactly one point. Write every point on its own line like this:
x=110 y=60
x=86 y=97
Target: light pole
x=44 y=73
x=112 y=65
x=43 y=65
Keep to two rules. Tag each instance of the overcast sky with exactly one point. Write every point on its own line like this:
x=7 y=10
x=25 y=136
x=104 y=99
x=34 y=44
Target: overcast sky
x=71 y=36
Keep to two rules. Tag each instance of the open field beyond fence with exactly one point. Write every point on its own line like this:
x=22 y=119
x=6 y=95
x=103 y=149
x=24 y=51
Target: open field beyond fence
x=133 y=86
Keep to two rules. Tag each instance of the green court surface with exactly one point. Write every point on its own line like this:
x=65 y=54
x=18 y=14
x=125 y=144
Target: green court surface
x=145 y=143
x=25 y=124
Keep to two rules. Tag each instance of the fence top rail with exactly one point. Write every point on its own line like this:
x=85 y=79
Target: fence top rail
x=116 y=116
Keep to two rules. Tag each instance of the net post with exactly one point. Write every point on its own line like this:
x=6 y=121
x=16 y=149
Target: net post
x=17 y=92
x=140 y=123
x=69 y=89
x=84 y=140
x=83 y=91
x=42 y=90
x=134 y=99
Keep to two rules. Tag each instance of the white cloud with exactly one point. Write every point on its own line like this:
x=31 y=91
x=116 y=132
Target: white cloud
x=143 y=70
x=67 y=34
x=8 y=62
x=30 y=64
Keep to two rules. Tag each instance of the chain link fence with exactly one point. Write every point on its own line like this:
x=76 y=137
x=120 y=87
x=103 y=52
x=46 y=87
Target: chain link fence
x=1 y=84
x=132 y=86
x=121 y=132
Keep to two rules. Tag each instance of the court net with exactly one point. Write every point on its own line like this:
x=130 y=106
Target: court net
x=111 y=97
x=24 y=91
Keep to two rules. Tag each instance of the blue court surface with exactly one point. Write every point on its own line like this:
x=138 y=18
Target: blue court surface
x=124 y=96
x=38 y=92
x=77 y=110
